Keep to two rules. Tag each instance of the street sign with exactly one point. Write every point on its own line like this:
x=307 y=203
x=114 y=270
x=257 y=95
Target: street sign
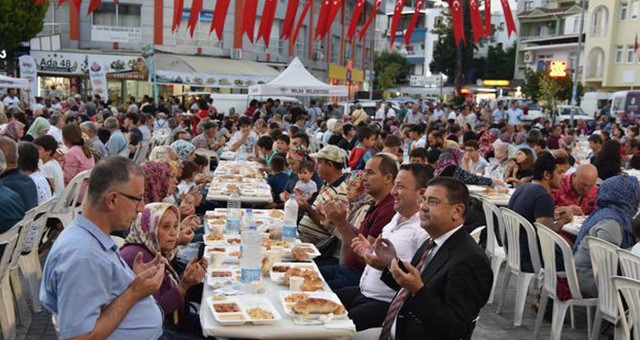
x=558 y=69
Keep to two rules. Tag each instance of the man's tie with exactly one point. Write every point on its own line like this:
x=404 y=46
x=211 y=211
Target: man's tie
x=402 y=296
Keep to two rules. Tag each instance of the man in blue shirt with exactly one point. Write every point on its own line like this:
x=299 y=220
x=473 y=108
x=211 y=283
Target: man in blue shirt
x=13 y=179
x=85 y=282
x=12 y=208
x=117 y=143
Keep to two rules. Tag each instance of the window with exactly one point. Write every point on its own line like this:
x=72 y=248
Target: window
x=599 y=22
x=634 y=10
x=528 y=5
x=112 y=14
x=624 y=11
x=619 y=52
x=630 y=54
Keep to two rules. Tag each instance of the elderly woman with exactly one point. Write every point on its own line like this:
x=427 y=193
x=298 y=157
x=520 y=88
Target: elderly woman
x=154 y=237
x=184 y=149
x=38 y=128
x=13 y=130
x=448 y=165
x=611 y=221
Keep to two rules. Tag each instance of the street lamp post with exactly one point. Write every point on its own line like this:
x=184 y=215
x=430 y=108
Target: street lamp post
x=574 y=89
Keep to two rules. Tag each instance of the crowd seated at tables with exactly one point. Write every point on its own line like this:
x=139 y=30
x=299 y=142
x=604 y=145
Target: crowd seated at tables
x=384 y=198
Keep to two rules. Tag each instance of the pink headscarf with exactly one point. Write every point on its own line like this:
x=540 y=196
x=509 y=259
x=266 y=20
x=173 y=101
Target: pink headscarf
x=156 y=183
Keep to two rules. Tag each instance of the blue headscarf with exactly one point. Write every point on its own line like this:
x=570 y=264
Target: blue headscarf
x=617 y=200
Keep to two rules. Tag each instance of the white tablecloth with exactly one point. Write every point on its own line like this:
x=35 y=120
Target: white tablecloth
x=495 y=198
x=223 y=170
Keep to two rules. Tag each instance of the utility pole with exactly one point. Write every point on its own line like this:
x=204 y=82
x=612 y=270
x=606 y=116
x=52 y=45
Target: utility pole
x=574 y=89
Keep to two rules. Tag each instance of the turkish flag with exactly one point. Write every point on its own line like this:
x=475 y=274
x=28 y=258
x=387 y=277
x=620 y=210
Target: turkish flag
x=458 y=20
x=372 y=16
x=93 y=5
x=219 y=17
x=249 y=21
x=178 y=7
x=414 y=19
x=303 y=15
x=322 y=17
x=333 y=11
x=77 y=4
x=289 y=19
x=476 y=20
x=353 y=24
x=487 y=18
x=194 y=15
x=508 y=17
x=268 y=13
x=397 y=13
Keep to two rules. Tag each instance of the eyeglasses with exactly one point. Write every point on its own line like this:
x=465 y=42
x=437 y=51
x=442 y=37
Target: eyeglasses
x=137 y=200
x=430 y=202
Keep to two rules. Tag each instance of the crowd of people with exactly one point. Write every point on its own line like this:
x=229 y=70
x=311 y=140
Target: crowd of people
x=384 y=198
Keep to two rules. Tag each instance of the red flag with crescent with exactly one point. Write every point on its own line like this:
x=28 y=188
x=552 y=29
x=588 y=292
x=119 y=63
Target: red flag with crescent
x=372 y=16
x=333 y=11
x=487 y=18
x=289 y=19
x=219 y=17
x=508 y=17
x=322 y=17
x=476 y=20
x=353 y=24
x=414 y=20
x=397 y=13
x=457 y=20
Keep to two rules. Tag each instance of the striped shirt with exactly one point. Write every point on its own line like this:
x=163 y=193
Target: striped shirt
x=313 y=233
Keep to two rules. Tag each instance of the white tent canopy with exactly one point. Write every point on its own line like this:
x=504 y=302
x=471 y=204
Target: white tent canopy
x=297 y=81
x=13 y=83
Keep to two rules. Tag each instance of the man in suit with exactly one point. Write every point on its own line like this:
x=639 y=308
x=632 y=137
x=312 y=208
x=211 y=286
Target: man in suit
x=448 y=281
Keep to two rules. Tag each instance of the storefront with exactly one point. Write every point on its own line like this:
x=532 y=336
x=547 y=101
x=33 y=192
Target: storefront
x=64 y=74
x=341 y=75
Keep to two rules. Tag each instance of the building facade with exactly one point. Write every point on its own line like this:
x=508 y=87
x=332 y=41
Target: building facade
x=612 y=56
x=118 y=30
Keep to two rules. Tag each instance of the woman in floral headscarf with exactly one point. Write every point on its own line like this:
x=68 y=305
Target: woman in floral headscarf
x=448 y=165
x=486 y=144
x=155 y=233
x=184 y=149
x=13 y=130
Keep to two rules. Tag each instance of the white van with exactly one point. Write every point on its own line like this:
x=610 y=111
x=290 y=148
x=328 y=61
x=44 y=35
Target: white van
x=625 y=102
x=592 y=102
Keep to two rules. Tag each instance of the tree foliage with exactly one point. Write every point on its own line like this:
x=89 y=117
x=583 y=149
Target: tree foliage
x=445 y=50
x=539 y=86
x=531 y=88
x=20 y=20
x=391 y=68
x=500 y=63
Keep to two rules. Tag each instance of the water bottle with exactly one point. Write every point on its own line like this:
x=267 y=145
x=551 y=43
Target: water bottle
x=251 y=256
x=248 y=220
x=233 y=213
x=241 y=155
x=289 y=228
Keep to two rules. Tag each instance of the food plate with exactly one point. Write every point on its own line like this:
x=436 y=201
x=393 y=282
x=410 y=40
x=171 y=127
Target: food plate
x=258 y=309
x=311 y=251
x=477 y=188
x=288 y=299
x=278 y=269
x=221 y=277
x=213 y=239
x=227 y=313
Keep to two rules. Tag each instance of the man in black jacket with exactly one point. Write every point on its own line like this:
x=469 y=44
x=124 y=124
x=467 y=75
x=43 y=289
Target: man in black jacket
x=442 y=290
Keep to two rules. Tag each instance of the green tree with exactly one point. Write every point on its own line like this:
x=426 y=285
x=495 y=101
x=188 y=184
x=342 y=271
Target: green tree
x=531 y=88
x=455 y=61
x=20 y=20
x=391 y=68
x=539 y=86
x=500 y=63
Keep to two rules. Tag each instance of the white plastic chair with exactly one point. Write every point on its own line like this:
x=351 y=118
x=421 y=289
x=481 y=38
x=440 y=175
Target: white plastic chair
x=604 y=261
x=71 y=200
x=142 y=152
x=630 y=290
x=29 y=263
x=630 y=264
x=549 y=241
x=475 y=234
x=24 y=227
x=8 y=239
x=494 y=251
x=514 y=225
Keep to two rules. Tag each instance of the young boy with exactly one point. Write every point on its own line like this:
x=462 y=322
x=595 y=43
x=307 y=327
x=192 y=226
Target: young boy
x=282 y=144
x=367 y=139
x=278 y=178
x=418 y=155
x=47 y=146
x=265 y=150
x=305 y=185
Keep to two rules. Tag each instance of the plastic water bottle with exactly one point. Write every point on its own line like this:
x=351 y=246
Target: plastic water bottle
x=233 y=213
x=248 y=220
x=289 y=228
x=251 y=256
x=241 y=155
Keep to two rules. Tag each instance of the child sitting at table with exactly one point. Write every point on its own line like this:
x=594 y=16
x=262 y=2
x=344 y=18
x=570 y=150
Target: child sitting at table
x=187 y=180
x=305 y=186
x=278 y=178
x=635 y=225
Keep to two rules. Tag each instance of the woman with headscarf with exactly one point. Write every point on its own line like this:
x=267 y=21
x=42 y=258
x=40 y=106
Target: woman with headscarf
x=38 y=128
x=611 y=221
x=13 y=130
x=184 y=149
x=486 y=144
x=154 y=237
x=448 y=165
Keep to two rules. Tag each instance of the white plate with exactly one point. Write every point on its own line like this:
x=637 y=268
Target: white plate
x=217 y=282
x=477 y=188
x=323 y=295
x=238 y=318
x=279 y=276
x=312 y=255
x=256 y=301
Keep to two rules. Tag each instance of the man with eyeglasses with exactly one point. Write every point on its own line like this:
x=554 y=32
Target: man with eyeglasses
x=368 y=303
x=86 y=283
x=442 y=289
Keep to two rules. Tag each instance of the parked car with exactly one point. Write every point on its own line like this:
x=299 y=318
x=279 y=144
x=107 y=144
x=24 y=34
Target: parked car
x=563 y=113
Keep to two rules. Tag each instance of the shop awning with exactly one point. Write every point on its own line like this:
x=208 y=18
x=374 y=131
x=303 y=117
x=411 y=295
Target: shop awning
x=210 y=71
x=15 y=83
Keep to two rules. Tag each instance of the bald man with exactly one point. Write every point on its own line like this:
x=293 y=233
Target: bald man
x=578 y=190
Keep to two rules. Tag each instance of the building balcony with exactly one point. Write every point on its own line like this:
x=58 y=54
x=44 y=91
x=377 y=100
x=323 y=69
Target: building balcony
x=549 y=38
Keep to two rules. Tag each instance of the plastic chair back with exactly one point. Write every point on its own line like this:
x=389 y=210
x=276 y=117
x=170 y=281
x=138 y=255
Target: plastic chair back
x=491 y=210
x=630 y=264
x=629 y=289
x=24 y=226
x=549 y=241
x=514 y=224
x=8 y=241
x=73 y=194
x=38 y=218
x=604 y=261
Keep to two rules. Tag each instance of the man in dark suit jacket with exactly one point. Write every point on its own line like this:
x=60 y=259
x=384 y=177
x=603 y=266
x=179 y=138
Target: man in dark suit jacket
x=449 y=279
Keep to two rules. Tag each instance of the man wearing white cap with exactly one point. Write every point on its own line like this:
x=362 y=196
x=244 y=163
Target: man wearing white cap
x=314 y=227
